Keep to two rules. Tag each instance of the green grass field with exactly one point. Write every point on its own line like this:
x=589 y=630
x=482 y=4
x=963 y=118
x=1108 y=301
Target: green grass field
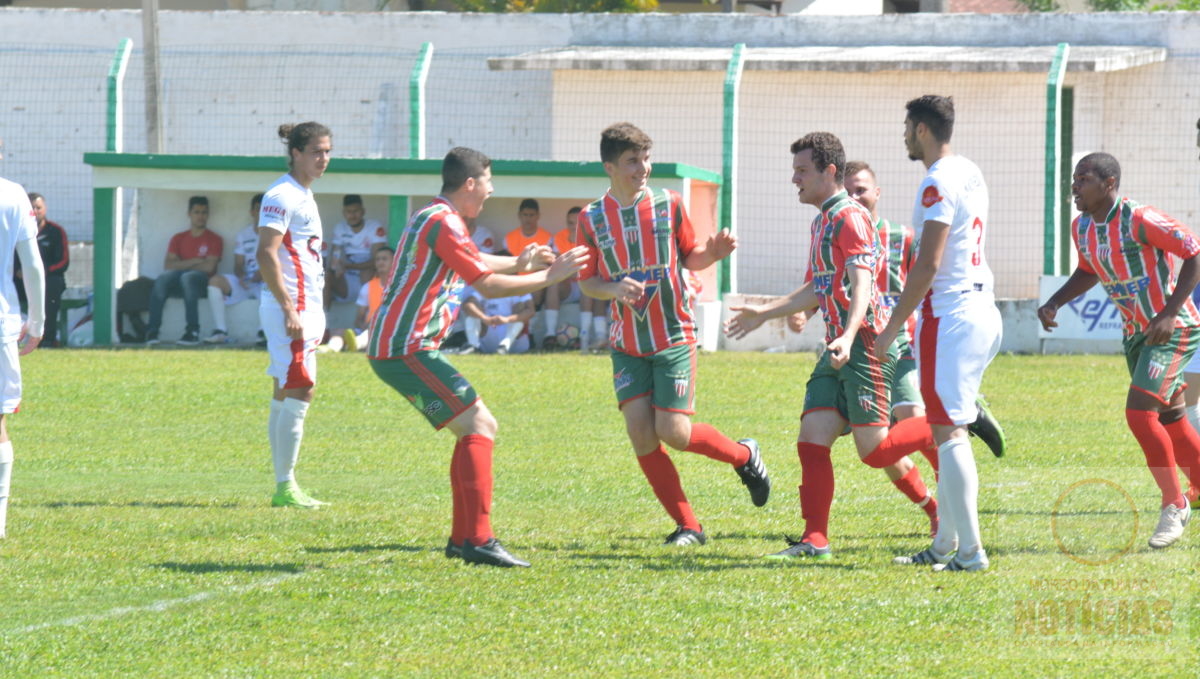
x=141 y=543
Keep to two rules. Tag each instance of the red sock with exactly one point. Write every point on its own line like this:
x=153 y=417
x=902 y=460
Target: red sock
x=1156 y=446
x=475 y=475
x=907 y=436
x=1185 y=443
x=458 y=530
x=709 y=442
x=914 y=489
x=664 y=480
x=816 y=491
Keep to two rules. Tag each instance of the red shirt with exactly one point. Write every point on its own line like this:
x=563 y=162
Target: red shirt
x=186 y=246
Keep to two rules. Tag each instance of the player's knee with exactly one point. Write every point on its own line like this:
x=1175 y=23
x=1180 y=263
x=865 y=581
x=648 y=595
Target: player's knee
x=1172 y=414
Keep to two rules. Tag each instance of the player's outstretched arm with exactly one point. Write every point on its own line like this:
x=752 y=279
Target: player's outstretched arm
x=506 y=285
x=627 y=290
x=718 y=246
x=750 y=316
x=1080 y=282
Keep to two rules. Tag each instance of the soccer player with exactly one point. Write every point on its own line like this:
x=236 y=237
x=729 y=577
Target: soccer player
x=434 y=256
x=225 y=289
x=546 y=302
x=18 y=233
x=289 y=257
x=640 y=241
x=959 y=330
x=1129 y=248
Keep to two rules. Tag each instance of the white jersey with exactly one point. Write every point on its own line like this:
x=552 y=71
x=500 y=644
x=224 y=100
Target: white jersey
x=246 y=245
x=497 y=306
x=17 y=224
x=291 y=210
x=356 y=247
x=954 y=193
x=484 y=240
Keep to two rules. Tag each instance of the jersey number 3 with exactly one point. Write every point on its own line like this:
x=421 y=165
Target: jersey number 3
x=977 y=253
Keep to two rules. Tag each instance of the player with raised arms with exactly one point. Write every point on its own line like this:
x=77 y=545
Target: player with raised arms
x=293 y=320
x=959 y=330
x=640 y=241
x=1129 y=248
x=18 y=233
x=435 y=256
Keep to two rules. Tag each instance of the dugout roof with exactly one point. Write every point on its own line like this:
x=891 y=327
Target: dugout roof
x=843 y=59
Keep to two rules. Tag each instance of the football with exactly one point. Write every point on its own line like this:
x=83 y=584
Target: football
x=566 y=334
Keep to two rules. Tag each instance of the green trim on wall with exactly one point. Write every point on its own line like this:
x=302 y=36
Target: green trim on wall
x=104 y=264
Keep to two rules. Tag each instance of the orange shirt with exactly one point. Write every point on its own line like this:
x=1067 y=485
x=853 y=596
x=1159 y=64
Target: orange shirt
x=516 y=241
x=562 y=241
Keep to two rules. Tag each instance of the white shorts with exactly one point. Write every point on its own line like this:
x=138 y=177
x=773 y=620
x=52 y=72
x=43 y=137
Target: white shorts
x=952 y=353
x=238 y=293
x=10 y=373
x=574 y=295
x=293 y=362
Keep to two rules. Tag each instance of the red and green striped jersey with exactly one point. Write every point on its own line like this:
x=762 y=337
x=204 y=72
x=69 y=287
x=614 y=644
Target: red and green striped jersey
x=434 y=256
x=1130 y=253
x=897 y=242
x=844 y=237
x=647 y=241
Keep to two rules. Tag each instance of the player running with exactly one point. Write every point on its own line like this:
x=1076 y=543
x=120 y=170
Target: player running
x=18 y=233
x=639 y=242
x=1128 y=248
x=434 y=257
x=293 y=320
x=959 y=330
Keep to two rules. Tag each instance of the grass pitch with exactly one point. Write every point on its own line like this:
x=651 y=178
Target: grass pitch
x=141 y=542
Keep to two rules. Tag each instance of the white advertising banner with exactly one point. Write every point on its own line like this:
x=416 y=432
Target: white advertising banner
x=1090 y=316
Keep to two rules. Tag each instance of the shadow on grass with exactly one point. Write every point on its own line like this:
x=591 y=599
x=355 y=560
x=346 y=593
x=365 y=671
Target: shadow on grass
x=696 y=561
x=370 y=548
x=161 y=504
x=215 y=567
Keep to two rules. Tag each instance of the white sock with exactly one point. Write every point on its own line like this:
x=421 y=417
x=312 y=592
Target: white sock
x=1193 y=415
x=585 y=329
x=600 y=328
x=551 y=322
x=216 y=302
x=336 y=343
x=958 y=491
x=511 y=335
x=474 y=328
x=6 y=461
x=363 y=338
x=289 y=430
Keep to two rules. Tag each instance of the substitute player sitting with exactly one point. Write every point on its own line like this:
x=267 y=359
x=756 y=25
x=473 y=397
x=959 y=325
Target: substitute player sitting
x=1129 y=248
x=640 y=241
x=434 y=256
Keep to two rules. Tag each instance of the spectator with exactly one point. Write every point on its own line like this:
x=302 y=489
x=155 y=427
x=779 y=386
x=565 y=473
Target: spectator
x=593 y=313
x=548 y=300
x=484 y=239
x=505 y=319
x=192 y=257
x=350 y=255
x=370 y=296
x=244 y=283
x=52 y=244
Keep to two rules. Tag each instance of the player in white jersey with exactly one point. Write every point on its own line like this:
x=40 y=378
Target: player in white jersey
x=18 y=232
x=959 y=329
x=225 y=289
x=354 y=240
x=293 y=317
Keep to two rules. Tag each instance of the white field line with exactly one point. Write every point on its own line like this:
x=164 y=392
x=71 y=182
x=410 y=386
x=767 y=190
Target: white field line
x=159 y=606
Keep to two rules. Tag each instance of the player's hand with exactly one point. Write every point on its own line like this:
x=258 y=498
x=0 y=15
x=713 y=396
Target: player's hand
x=628 y=290
x=720 y=245
x=839 y=351
x=747 y=319
x=796 y=322
x=884 y=341
x=291 y=324
x=534 y=258
x=1159 y=330
x=1046 y=314
x=26 y=343
x=567 y=264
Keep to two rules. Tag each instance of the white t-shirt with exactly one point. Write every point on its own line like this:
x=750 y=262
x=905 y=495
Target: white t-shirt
x=290 y=209
x=17 y=224
x=954 y=193
x=356 y=247
x=246 y=245
x=484 y=239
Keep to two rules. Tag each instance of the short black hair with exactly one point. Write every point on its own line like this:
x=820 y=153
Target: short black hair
x=530 y=204
x=621 y=137
x=826 y=150
x=383 y=246
x=351 y=199
x=459 y=165
x=853 y=167
x=1103 y=165
x=936 y=112
x=574 y=211
x=256 y=200
x=34 y=195
x=197 y=200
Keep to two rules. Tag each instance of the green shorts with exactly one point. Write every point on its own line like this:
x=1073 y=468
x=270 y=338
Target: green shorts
x=430 y=383
x=859 y=391
x=906 y=389
x=668 y=377
x=1158 y=370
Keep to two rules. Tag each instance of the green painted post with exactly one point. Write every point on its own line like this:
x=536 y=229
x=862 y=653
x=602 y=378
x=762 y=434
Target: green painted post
x=116 y=100
x=727 y=197
x=1052 y=243
x=397 y=218
x=104 y=267
x=398 y=206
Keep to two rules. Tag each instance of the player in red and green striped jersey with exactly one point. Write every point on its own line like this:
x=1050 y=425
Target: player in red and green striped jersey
x=1129 y=249
x=639 y=242
x=434 y=257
